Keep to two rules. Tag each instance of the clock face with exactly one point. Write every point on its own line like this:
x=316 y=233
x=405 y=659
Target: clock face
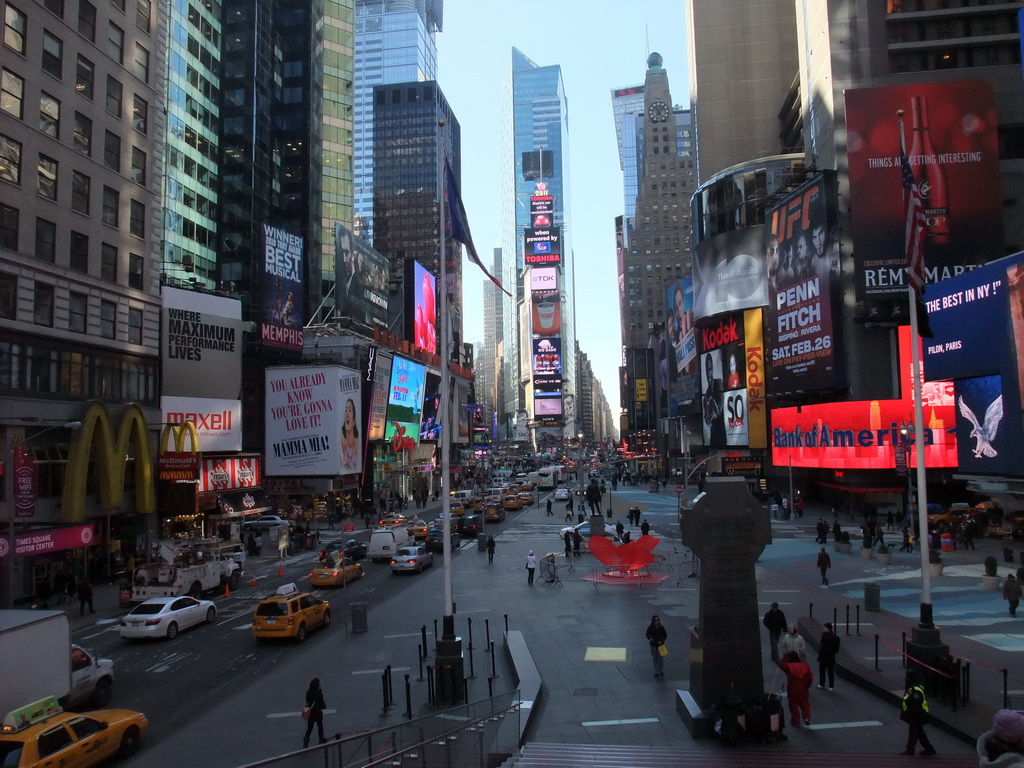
x=658 y=112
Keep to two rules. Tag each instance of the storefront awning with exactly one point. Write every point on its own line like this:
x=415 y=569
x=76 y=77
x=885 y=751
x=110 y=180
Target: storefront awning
x=238 y=503
x=864 y=488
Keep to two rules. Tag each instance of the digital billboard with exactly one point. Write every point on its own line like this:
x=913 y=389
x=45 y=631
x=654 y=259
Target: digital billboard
x=679 y=322
x=803 y=280
x=757 y=405
x=730 y=272
x=542 y=245
x=723 y=382
x=421 y=310
x=283 y=303
x=405 y=398
x=988 y=442
x=547 y=357
x=379 y=374
x=546 y=309
x=430 y=424
x=862 y=434
x=953 y=151
x=361 y=288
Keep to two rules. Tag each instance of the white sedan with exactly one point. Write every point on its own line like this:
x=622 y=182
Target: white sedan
x=561 y=494
x=165 y=617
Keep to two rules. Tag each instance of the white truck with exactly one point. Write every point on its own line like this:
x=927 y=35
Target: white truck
x=37 y=659
x=187 y=567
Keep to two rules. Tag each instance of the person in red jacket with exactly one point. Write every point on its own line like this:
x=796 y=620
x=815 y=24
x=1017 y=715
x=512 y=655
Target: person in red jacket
x=798 y=689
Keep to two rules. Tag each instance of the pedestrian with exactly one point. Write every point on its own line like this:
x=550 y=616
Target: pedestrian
x=775 y=622
x=60 y=586
x=836 y=530
x=577 y=542
x=531 y=566
x=890 y=520
x=824 y=563
x=828 y=649
x=84 y=596
x=645 y=528
x=619 y=528
x=568 y=510
x=568 y=543
x=908 y=544
x=1011 y=593
x=43 y=593
x=821 y=529
x=656 y=636
x=798 y=688
x=314 y=711
x=1003 y=745
x=914 y=712
x=792 y=642
x=259 y=543
x=490 y=550
x=549 y=506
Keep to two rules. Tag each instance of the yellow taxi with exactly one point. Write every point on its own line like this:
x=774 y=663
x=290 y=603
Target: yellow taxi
x=479 y=503
x=527 y=487
x=417 y=528
x=511 y=502
x=526 y=498
x=289 y=613
x=456 y=509
x=494 y=513
x=42 y=734
x=329 y=572
x=393 y=521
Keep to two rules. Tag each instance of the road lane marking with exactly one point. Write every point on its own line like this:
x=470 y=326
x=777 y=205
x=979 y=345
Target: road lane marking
x=635 y=721
x=379 y=671
x=296 y=714
x=852 y=724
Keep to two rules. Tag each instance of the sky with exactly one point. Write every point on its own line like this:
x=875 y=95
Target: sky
x=600 y=45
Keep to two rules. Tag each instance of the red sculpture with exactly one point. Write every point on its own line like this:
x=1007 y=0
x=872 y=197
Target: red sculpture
x=626 y=557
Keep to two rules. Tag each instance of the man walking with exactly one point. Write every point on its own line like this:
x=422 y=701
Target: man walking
x=775 y=622
x=549 y=506
x=914 y=712
x=531 y=566
x=828 y=649
x=824 y=563
x=1012 y=593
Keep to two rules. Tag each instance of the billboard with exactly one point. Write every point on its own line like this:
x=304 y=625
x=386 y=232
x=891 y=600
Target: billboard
x=757 y=406
x=547 y=357
x=724 y=382
x=547 y=396
x=546 y=309
x=987 y=442
x=679 y=321
x=421 y=307
x=953 y=152
x=405 y=398
x=361 y=288
x=228 y=473
x=863 y=434
x=218 y=422
x=313 y=421
x=730 y=272
x=803 y=280
x=283 y=306
x=379 y=375
x=542 y=245
x=430 y=424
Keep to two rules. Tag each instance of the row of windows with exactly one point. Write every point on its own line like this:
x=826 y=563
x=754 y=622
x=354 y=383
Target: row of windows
x=79 y=249
x=955 y=58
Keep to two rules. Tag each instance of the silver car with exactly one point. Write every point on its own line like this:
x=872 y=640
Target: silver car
x=165 y=617
x=412 y=559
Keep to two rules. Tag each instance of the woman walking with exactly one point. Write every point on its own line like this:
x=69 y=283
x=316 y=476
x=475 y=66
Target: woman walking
x=315 y=707
x=657 y=635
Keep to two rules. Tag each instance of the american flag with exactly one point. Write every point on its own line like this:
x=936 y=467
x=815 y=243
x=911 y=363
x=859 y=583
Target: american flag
x=914 y=225
x=460 y=224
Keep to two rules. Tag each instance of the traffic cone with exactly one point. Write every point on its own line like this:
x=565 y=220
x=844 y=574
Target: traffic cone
x=280 y=571
x=227 y=590
x=254 y=581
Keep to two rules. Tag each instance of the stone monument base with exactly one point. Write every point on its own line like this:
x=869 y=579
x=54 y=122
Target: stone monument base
x=699 y=723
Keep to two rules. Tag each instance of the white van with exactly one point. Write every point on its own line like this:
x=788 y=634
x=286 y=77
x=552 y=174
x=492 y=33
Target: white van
x=384 y=543
x=465 y=497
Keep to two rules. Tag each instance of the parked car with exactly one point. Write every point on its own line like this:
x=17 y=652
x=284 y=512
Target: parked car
x=289 y=613
x=469 y=526
x=435 y=538
x=411 y=559
x=165 y=617
x=584 y=529
x=329 y=572
x=263 y=523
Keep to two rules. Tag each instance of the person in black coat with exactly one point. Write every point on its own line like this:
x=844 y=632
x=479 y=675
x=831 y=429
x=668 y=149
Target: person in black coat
x=657 y=635
x=645 y=528
x=316 y=706
x=828 y=649
x=775 y=622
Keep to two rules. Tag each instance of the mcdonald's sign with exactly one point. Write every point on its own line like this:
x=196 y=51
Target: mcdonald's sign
x=96 y=438
x=177 y=464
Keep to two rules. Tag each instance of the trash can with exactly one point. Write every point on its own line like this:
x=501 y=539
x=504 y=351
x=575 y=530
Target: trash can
x=946 y=542
x=359 y=617
x=872 y=597
x=481 y=543
x=124 y=595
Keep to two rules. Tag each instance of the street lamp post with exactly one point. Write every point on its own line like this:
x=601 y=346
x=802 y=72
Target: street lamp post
x=10 y=497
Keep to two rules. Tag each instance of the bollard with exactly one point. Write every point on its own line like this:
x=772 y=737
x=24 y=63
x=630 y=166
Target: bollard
x=876 y=652
x=469 y=631
x=472 y=673
x=487 y=630
x=1006 y=693
x=430 y=684
x=435 y=631
x=955 y=683
x=903 y=648
x=423 y=632
x=506 y=623
x=858 y=621
x=391 y=692
x=419 y=657
x=493 y=672
x=835 y=618
x=810 y=610
x=490 y=687
x=465 y=691
x=408 y=699
x=847 y=619
x=384 y=688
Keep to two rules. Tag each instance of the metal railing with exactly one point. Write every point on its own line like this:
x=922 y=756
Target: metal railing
x=473 y=735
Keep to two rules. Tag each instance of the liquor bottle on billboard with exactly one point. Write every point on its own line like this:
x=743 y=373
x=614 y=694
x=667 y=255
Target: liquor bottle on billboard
x=929 y=173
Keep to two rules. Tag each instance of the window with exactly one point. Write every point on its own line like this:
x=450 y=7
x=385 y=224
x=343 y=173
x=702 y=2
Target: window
x=134 y=325
x=79 y=251
x=55 y=6
x=140 y=114
x=135 y=267
x=108 y=319
x=115 y=43
x=119 y=4
x=47 y=174
x=143 y=12
x=80 y=184
x=8 y=296
x=113 y=96
x=85 y=75
x=49 y=115
x=87 y=20
x=112 y=151
x=111 y=206
x=42 y=314
x=138 y=166
x=137 y=219
x=82 y=138
x=53 y=55
x=9 y=227
x=78 y=312
x=13 y=99
x=141 y=68
x=46 y=241
x=10 y=159
x=108 y=262
x=15 y=26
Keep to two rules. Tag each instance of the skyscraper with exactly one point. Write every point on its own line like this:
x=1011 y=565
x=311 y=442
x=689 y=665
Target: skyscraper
x=486 y=369
x=395 y=43
x=627 y=106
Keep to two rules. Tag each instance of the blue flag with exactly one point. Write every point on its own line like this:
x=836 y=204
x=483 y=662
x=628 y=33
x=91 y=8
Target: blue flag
x=460 y=224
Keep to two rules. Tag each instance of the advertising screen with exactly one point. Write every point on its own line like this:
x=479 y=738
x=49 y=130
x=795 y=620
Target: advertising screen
x=546 y=307
x=379 y=369
x=361 y=291
x=423 y=314
x=862 y=434
x=953 y=151
x=543 y=279
x=987 y=442
x=547 y=357
x=547 y=405
x=679 y=321
x=542 y=205
x=405 y=398
x=803 y=279
x=430 y=425
x=757 y=408
x=542 y=245
x=283 y=309
x=723 y=382
x=730 y=272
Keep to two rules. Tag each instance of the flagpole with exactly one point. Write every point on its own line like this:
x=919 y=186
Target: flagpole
x=448 y=621
x=926 y=618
